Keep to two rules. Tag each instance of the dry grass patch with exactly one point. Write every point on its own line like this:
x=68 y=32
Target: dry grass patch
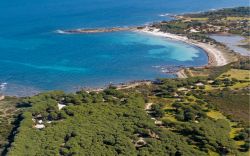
x=216 y=115
x=237 y=74
x=238 y=18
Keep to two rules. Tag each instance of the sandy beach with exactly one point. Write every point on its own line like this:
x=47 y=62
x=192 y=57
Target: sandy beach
x=215 y=56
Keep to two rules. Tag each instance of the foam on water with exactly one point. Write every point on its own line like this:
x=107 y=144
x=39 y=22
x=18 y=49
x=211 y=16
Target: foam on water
x=3 y=86
x=164 y=15
x=61 y=32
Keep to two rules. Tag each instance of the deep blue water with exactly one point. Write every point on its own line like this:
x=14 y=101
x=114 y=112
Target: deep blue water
x=33 y=58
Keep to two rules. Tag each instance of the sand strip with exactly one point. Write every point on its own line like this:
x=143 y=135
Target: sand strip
x=215 y=56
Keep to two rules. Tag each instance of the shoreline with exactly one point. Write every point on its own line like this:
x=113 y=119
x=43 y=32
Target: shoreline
x=121 y=86
x=118 y=86
x=215 y=55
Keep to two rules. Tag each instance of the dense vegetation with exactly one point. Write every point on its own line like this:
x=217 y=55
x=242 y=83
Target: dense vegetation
x=175 y=26
x=8 y=118
x=89 y=126
x=185 y=119
x=194 y=113
x=243 y=63
x=236 y=12
x=201 y=115
x=235 y=104
x=198 y=26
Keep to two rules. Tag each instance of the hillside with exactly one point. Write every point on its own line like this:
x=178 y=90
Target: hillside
x=193 y=116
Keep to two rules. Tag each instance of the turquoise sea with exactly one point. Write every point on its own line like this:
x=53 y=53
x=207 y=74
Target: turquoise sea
x=34 y=58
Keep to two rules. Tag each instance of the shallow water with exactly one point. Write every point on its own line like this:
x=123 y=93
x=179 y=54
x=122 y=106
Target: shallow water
x=34 y=58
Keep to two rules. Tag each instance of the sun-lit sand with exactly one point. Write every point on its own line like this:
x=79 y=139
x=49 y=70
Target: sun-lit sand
x=216 y=57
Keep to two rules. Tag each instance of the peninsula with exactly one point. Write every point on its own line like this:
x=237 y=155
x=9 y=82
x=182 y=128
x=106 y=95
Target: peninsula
x=194 y=29
x=97 y=30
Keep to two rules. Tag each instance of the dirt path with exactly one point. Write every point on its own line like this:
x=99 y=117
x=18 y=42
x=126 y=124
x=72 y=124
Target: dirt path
x=148 y=109
x=148 y=106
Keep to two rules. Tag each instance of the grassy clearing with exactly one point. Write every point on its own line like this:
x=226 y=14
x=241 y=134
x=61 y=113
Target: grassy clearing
x=170 y=117
x=239 y=143
x=237 y=18
x=168 y=107
x=234 y=131
x=240 y=85
x=198 y=19
x=155 y=99
x=211 y=153
x=216 y=115
x=237 y=74
x=208 y=87
x=199 y=72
